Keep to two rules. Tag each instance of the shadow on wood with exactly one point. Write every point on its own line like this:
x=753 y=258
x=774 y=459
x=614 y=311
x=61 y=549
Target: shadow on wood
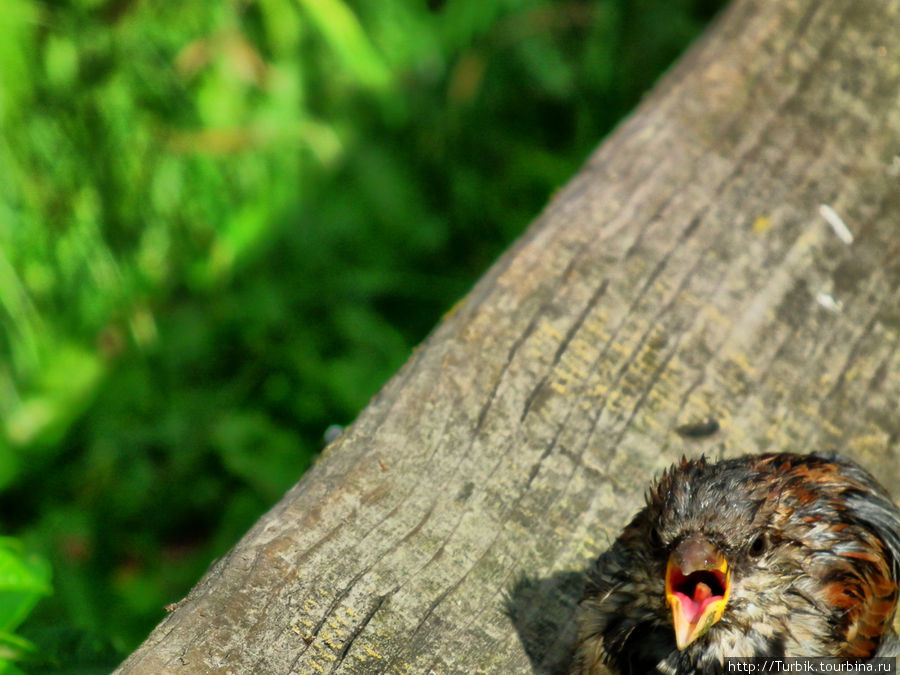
x=543 y=612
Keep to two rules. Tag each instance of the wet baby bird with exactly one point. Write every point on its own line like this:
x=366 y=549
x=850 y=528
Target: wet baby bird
x=760 y=556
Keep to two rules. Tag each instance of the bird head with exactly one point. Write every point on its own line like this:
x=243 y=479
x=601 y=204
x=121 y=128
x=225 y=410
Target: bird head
x=762 y=555
x=751 y=543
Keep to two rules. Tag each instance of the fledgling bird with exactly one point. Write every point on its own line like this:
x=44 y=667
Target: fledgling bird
x=764 y=555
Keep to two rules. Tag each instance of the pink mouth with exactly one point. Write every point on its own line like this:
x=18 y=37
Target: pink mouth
x=697 y=590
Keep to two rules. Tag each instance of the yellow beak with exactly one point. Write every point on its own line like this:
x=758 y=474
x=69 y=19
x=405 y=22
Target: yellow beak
x=698 y=582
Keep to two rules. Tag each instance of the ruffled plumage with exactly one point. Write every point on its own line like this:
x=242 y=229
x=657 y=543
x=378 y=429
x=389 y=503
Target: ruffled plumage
x=813 y=548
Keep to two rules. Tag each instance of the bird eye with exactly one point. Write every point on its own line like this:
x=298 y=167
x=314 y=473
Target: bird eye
x=655 y=539
x=758 y=546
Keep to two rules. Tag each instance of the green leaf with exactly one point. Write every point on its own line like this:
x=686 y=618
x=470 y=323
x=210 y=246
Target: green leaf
x=7 y=668
x=64 y=387
x=269 y=458
x=60 y=61
x=23 y=581
x=15 y=648
x=344 y=34
x=17 y=21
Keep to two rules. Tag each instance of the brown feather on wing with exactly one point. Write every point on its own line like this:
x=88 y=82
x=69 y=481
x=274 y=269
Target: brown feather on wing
x=875 y=594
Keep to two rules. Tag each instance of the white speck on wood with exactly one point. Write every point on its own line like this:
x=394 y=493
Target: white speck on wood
x=837 y=223
x=827 y=301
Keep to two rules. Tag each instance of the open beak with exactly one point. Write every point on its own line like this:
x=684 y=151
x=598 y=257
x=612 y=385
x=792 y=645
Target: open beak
x=697 y=585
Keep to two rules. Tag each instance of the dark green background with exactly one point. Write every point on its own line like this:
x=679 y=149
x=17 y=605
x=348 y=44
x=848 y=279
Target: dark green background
x=224 y=225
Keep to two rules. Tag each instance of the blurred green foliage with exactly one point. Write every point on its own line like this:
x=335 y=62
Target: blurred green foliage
x=24 y=579
x=224 y=225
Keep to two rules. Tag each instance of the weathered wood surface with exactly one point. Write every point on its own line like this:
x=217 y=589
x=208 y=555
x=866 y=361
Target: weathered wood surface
x=687 y=272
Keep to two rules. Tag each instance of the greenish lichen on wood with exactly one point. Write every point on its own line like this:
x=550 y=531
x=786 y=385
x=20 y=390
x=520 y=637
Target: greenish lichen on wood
x=692 y=271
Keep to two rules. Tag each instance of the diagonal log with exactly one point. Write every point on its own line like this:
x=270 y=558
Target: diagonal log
x=729 y=257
